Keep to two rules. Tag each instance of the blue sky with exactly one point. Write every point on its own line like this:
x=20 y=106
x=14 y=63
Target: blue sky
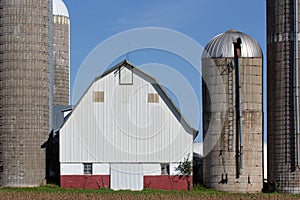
x=93 y=21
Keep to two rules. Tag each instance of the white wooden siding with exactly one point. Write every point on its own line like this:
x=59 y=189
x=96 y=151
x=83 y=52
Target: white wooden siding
x=173 y=167
x=71 y=169
x=77 y=169
x=124 y=128
x=101 y=169
x=151 y=169
x=125 y=76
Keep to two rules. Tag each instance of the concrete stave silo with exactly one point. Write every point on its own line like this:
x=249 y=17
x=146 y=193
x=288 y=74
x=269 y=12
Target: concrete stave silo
x=233 y=149
x=283 y=95
x=61 y=53
x=59 y=84
x=24 y=91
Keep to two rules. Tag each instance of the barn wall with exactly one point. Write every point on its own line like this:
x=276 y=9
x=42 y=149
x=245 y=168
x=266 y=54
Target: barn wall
x=126 y=176
x=100 y=168
x=71 y=169
x=103 y=181
x=85 y=181
x=77 y=169
x=123 y=128
x=149 y=169
x=167 y=182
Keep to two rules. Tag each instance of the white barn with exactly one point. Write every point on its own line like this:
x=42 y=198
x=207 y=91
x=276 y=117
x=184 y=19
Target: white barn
x=125 y=133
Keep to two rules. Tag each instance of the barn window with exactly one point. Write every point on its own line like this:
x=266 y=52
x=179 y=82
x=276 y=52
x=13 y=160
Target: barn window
x=98 y=96
x=87 y=168
x=165 y=168
x=153 y=98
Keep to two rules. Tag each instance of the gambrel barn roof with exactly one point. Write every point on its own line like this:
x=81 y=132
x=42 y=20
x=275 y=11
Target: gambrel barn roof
x=173 y=108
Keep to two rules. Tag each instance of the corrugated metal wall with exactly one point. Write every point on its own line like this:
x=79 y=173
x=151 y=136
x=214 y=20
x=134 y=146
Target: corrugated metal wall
x=126 y=177
x=123 y=128
x=24 y=91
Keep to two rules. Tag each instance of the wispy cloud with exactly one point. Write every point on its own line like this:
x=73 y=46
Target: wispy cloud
x=170 y=14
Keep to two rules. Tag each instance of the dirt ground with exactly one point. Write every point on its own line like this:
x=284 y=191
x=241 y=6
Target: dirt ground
x=12 y=195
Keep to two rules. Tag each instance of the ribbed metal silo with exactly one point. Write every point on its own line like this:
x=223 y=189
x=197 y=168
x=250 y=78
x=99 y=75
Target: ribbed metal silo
x=61 y=49
x=232 y=113
x=283 y=95
x=24 y=91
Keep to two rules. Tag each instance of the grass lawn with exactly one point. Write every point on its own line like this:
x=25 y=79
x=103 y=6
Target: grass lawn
x=56 y=193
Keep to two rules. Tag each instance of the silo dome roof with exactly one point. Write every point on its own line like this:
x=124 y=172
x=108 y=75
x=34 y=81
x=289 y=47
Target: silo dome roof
x=59 y=8
x=222 y=46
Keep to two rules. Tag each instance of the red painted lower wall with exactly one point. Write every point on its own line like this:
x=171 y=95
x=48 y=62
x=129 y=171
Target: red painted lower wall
x=85 y=181
x=103 y=181
x=167 y=182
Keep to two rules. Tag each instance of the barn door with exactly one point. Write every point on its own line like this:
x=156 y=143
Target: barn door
x=126 y=177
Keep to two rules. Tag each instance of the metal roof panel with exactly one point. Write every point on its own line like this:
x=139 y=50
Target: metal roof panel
x=222 y=46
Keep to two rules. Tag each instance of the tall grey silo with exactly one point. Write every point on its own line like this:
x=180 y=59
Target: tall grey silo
x=59 y=84
x=283 y=95
x=61 y=49
x=232 y=67
x=24 y=91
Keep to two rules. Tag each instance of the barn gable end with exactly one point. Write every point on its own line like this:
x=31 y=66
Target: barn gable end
x=125 y=117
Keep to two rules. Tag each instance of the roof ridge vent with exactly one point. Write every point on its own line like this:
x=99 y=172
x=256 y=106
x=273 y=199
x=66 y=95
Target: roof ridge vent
x=232 y=31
